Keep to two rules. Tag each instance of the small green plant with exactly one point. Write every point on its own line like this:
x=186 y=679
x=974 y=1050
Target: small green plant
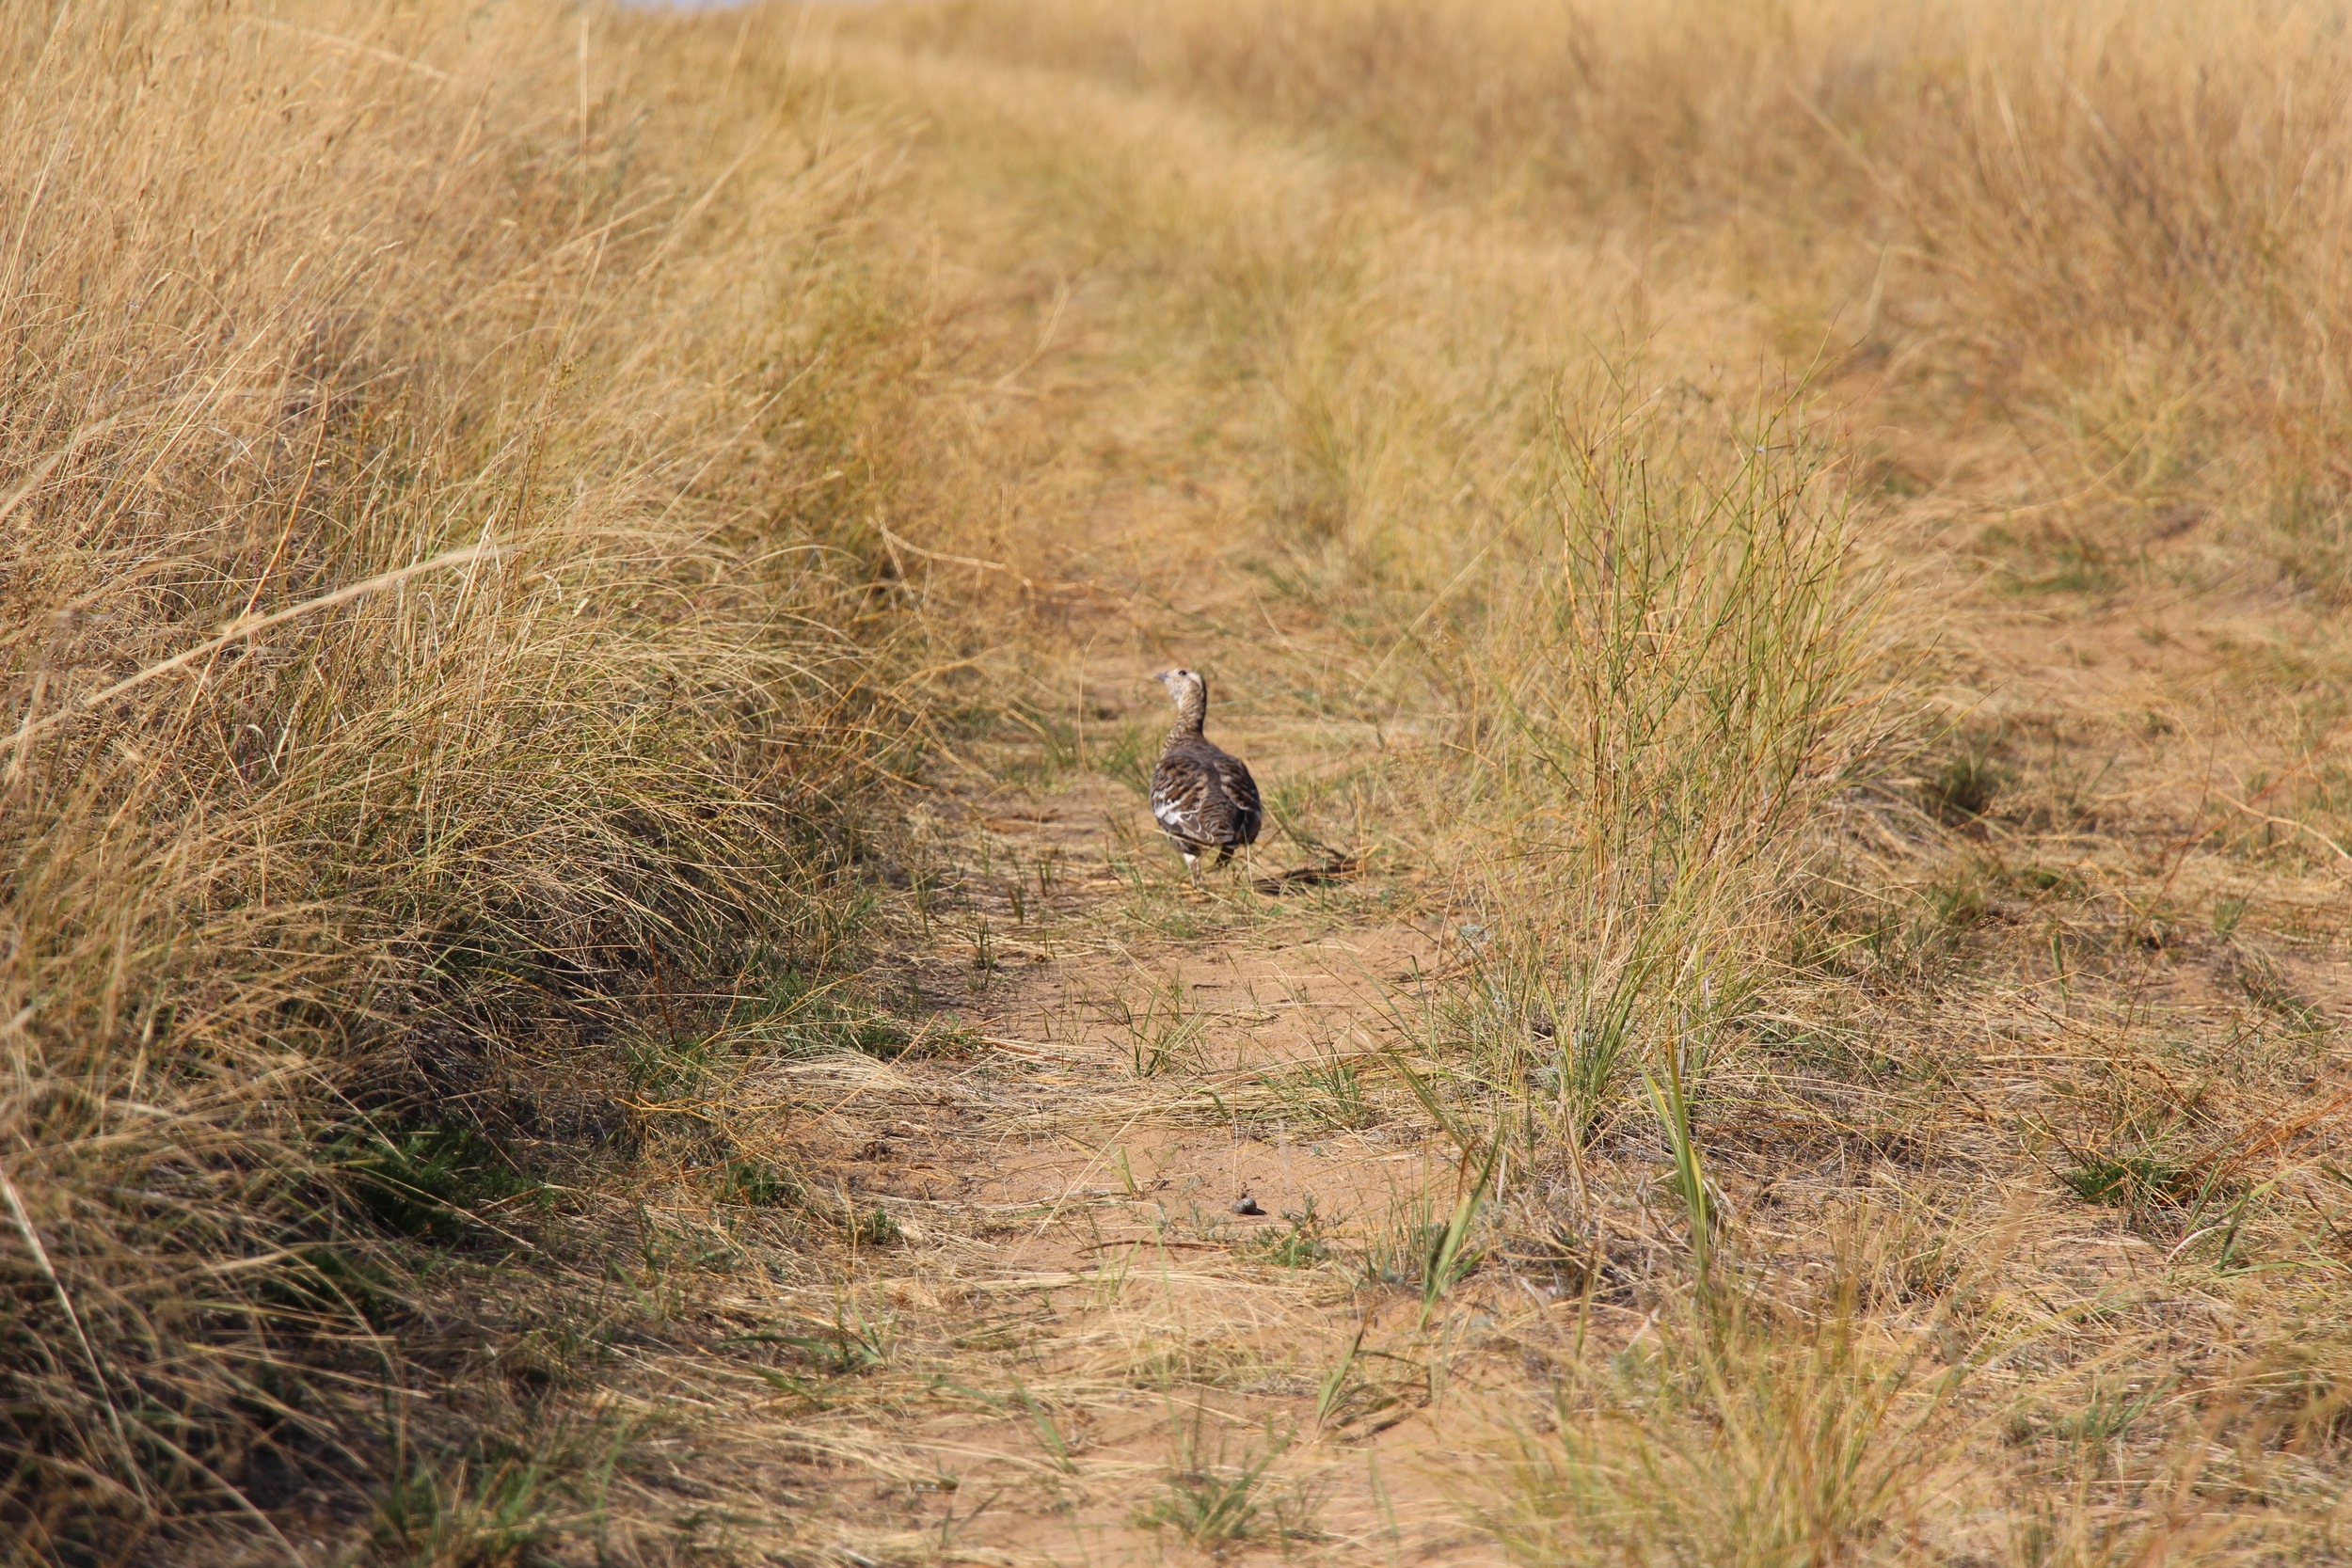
x=852 y=1343
x=1950 y=907
x=1568 y=1035
x=1163 y=1035
x=1058 y=750
x=2227 y=915
x=430 y=1181
x=2135 y=1180
x=2261 y=982
x=1590 y=1068
x=2107 y=1411
x=1300 y=1246
x=1690 y=1176
x=1332 y=1390
x=668 y=1068
x=1411 y=1248
x=871 y=1227
x=763 y=1184
x=1127 y=757
x=1216 y=1506
x=2039 y=879
x=1212 y=1509
x=333 y=1280
x=469 y=1515
x=984 y=965
x=795 y=1013
x=1452 y=1258
x=1397 y=1254
x=1327 y=1093
x=1059 y=1448
x=499 y=1502
x=758 y=1184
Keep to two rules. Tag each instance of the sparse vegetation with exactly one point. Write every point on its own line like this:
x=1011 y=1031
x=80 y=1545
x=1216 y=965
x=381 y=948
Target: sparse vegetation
x=1216 y=1503
x=582 y=971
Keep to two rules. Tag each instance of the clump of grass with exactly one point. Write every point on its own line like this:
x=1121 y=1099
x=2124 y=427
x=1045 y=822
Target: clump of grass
x=1411 y=1245
x=797 y=1012
x=1059 y=744
x=1219 y=1505
x=2134 y=1180
x=1330 y=1094
x=502 y=1497
x=671 y=1068
x=1737 y=1437
x=465 y=1513
x=2092 y=1423
x=1301 y=1244
x=1127 y=757
x=2258 y=978
x=1670 y=1101
x=1691 y=671
x=1164 y=1035
x=1213 y=1509
x=1963 y=787
x=762 y=1183
x=434 y=1182
x=759 y=1183
x=850 y=1345
x=432 y=629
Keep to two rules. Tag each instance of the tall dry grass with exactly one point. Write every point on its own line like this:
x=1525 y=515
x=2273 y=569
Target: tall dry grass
x=1674 y=667
x=428 y=443
x=1739 y=1439
x=2120 y=226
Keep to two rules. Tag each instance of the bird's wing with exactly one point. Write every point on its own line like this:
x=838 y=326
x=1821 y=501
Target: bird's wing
x=1232 y=776
x=1178 y=793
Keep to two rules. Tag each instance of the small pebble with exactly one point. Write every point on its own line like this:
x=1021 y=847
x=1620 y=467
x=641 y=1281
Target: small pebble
x=1247 y=1205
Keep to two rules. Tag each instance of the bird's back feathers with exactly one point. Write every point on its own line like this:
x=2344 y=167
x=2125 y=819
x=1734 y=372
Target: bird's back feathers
x=1205 y=798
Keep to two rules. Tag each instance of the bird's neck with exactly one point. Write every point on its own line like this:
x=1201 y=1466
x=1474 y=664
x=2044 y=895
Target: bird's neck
x=1191 y=711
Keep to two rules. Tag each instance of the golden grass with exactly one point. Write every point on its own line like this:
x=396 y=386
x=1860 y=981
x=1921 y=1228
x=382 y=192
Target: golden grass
x=493 y=458
x=2120 y=227
x=1702 y=516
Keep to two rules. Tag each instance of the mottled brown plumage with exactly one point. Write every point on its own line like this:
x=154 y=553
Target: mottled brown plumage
x=1202 y=797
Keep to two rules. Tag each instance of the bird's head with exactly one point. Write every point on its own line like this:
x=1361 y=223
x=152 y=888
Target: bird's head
x=1189 y=692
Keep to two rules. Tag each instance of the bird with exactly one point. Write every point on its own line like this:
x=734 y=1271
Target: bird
x=1203 y=796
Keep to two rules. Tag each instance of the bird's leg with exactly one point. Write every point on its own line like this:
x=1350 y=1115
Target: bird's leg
x=1192 y=867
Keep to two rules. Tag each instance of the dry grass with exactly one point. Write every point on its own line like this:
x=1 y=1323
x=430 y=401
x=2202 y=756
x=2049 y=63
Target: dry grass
x=2115 y=229
x=1784 y=568
x=429 y=629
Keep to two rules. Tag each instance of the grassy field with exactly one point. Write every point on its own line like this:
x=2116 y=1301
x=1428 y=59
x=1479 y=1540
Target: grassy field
x=582 y=969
